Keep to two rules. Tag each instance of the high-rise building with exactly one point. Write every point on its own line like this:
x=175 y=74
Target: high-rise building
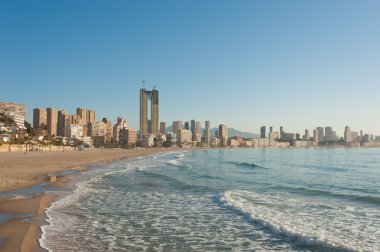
x=15 y=111
x=109 y=130
x=184 y=136
x=315 y=138
x=177 y=125
x=207 y=134
x=347 y=135
x=144 y=97
x=270 y=129
x=91 y=116
x=52 y=121
x=329 y=134
x=82 y=113
x=262 y=132
x=63 y=120
x=162 y=128
x=307 y=135
x=121 y=124
x=39 y=118
x=154 y=112
x=321 y=135
x=223 y=134
x=187 y=126
x=198 y=132
x=192 y=128
x=281 y=131
x=87 y=116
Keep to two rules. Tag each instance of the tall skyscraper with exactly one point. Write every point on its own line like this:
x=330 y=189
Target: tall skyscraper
x=192 y=122
x=347 y=135
x=144 y=97
x=39 y=118
x=177 y=125
x=281 y=131
x=154 y=112
x=52 y=121
x=198 y=132
x=329 y=134
x=223 y=134
x=187 y=126
x=207 y=134
x=63 y=120
x=321 y=135
x=315 y=137
x=262 y=132
x=307 y=135
x=270 y=129
x=162 y=128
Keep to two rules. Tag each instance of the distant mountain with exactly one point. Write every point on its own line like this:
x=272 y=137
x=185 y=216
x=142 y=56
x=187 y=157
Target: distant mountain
x=234 y=132
x=231 y=132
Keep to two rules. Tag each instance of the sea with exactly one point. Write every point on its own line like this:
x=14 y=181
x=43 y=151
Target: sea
x=317 y=199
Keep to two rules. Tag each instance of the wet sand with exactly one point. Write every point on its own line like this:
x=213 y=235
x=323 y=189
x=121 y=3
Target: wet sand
x=22 y=233
x=17 y=170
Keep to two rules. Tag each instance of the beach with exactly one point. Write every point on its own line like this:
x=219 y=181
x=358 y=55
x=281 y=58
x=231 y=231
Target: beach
x=20 y=170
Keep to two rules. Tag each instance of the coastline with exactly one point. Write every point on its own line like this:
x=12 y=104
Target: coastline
x=24 y=208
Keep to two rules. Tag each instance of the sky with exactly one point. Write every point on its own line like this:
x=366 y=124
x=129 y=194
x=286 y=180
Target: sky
x=296 y=64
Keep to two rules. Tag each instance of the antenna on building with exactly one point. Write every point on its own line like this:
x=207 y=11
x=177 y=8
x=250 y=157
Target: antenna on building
x=154 y=87
x=143 y=84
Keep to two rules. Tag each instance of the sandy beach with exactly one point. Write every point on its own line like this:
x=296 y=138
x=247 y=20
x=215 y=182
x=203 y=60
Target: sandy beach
x=19 y=170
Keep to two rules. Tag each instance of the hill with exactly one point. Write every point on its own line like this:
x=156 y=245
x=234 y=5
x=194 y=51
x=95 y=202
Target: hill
x=231 y=132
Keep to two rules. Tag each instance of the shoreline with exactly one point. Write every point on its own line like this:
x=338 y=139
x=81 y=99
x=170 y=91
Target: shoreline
x=24 y=203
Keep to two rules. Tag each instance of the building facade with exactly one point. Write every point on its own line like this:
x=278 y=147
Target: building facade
x=177 y=125
x=207 y=133
x=39 y=118
x=15 y=111
x=263 y=132
x=223 y=135
x=52 y=121
x=162 y=128
x=153 y=97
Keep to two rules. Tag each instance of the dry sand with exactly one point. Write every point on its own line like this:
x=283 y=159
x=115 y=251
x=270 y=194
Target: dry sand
x=19 y=170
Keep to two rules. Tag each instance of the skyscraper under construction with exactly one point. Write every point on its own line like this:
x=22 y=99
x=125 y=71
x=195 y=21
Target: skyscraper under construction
x=144 y=97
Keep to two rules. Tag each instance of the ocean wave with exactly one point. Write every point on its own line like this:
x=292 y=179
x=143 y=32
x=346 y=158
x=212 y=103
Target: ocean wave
x=310 y=224
x=178 y=163
x=247 y=165
x=316 y=192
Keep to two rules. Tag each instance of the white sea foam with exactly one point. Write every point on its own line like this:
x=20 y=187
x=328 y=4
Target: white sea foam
x=325 y=226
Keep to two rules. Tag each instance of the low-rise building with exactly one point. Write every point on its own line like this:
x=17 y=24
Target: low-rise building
x=300 y=144
x=74 y=131
x=128 y=137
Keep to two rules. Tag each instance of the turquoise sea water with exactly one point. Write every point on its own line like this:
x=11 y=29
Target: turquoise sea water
x=224 y=200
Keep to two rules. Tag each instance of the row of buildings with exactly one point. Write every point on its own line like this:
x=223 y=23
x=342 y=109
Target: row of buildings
x=83 y=126
x=322 y=136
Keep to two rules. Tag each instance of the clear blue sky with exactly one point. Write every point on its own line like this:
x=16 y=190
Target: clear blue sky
x=297 y=64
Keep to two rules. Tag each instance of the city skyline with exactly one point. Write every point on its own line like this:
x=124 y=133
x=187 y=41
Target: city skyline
x=245 y=64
